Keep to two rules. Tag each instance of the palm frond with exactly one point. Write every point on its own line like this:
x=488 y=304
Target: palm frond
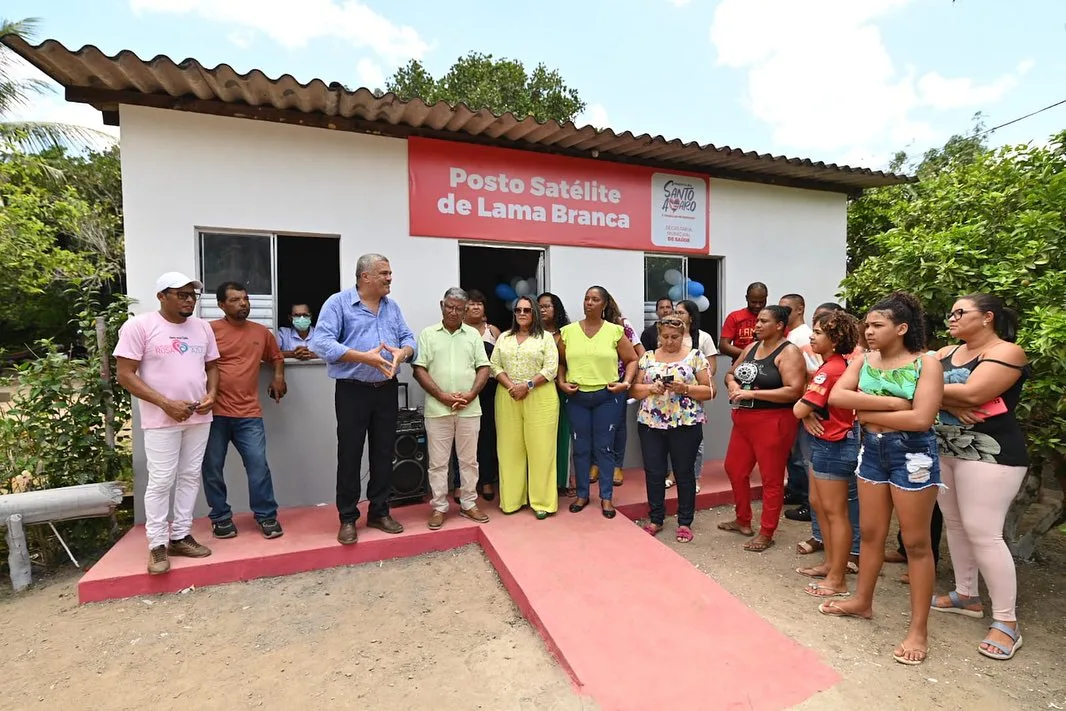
x=34 y=136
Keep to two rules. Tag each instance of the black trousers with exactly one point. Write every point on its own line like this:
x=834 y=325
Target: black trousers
x=680 y=444
x=488 y=462
x=365 y=413
x=936 y=531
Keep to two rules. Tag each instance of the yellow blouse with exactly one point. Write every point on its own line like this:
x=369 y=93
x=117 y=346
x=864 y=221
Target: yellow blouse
x=524 y=361
x=592 y=363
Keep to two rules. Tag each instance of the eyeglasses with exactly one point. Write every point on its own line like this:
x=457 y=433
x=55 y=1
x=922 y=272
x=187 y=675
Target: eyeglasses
x=454 y=309
x=522 y=310
x=185 y=295
x=958 y=313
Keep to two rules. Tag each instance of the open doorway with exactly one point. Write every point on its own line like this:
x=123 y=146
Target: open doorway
x=486 y=269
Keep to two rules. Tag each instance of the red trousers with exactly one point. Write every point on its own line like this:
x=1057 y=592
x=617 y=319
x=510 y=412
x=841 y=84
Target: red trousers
x=762 y=437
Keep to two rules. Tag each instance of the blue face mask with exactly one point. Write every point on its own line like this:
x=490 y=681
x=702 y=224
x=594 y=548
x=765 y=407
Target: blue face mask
x=302 y=323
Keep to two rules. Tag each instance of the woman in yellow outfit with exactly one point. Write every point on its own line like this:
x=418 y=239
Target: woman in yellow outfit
x=525 y=362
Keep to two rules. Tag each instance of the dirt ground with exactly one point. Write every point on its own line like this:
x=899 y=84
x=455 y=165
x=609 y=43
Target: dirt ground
x=439 y=632
x=434 y=632
x=953 y=677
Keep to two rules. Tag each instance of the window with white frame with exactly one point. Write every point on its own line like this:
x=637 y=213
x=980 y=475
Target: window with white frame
x=679 y=277
x=278 y=270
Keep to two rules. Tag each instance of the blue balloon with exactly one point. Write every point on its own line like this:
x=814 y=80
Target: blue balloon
x=676 y=292
x=695 y=289
x=506 y=292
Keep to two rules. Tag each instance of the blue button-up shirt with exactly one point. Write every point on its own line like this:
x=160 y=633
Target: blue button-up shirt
x=346 y=324
x=289 y=339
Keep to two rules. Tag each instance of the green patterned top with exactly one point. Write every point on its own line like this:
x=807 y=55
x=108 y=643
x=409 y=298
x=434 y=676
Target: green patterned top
x=898 y=382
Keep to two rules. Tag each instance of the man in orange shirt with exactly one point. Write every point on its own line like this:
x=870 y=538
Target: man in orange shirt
x=738 y=329
x=242 y=345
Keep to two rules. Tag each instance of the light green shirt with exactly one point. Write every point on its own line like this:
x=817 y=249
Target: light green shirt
x=452 y=360
x=526 y=360
x=592 y=363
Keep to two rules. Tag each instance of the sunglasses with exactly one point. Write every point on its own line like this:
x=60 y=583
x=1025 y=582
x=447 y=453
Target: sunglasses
x=522 y=310
x=670 y=322
x=185 y=295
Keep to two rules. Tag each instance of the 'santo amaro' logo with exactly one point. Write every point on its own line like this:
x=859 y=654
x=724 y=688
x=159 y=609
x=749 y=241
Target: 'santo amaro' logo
x=679 y=197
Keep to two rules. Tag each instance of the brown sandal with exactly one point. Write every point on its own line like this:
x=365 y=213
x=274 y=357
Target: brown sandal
x=735 y=527
x=759 y=544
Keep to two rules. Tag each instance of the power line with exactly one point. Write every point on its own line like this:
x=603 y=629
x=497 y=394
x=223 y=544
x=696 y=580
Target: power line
x=1022 y=118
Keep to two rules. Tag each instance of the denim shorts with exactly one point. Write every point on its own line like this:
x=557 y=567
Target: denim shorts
x=835 y=460
x=907 y=460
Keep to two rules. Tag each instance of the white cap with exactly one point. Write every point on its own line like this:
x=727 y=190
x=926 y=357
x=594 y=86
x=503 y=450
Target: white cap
x=175 y=280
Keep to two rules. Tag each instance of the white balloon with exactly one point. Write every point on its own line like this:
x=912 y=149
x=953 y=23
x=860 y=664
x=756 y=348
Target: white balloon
x=514 y=282
x=522 y=287
x=702 y=303
x=673 y=277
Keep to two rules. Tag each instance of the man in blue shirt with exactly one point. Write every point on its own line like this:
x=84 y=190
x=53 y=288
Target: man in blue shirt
x=363 y=338
x=295 y=342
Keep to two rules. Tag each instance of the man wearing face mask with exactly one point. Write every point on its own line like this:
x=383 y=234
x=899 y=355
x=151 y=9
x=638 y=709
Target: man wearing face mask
x=295 y=342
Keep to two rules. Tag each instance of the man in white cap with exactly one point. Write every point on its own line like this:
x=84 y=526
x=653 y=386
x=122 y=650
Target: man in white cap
x=167 y=359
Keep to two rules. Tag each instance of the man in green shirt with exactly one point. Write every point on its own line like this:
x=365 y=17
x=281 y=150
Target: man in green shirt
x=452 y=368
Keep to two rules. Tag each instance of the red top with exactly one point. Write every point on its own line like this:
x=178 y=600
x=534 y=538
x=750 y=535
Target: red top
x=836 y=421
x=739 y=327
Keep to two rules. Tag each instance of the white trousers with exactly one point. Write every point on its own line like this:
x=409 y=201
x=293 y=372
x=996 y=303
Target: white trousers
x=175 y=456
x=441 y=433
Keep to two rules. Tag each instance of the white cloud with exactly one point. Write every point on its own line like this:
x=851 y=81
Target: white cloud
x=295 y=23
x=594 y=115
x=51 y=107
x=819 y=74
x=242 y=38
x=370 y=74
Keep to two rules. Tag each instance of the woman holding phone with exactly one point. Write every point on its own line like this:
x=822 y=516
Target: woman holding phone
x=983 y=461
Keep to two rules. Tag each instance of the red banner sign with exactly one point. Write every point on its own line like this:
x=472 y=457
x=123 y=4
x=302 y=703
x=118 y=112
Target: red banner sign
x=500 y=195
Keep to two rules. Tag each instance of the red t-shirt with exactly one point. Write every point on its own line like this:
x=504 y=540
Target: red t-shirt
x=836 y=421
x=739 y=327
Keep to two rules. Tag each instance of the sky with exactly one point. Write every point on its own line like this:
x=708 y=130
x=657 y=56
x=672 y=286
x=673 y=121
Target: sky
x=845 y=81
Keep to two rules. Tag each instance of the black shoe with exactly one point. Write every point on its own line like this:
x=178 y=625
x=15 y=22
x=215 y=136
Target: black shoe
x=794 y=499
x=270 y=528
x=223 y=529
x=578 y=507
x=800 y=513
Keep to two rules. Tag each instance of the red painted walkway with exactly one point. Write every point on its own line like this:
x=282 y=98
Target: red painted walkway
x=634 y=624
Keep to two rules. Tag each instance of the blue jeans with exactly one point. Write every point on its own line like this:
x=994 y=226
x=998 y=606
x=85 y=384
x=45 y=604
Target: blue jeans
x=797 y=466
x=906 y=460
x=853 y=516
x=249 y=437
x=594 y=418
x=621 y=432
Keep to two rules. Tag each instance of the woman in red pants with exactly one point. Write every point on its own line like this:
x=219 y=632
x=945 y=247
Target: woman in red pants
x=764 y=383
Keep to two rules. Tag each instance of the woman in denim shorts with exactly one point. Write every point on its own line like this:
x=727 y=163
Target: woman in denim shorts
x=896 y=390
x=833 y=438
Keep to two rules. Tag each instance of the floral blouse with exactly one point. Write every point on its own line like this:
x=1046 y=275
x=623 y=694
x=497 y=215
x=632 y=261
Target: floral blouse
x=631 y=336
x=671 y=409
x=524 y=361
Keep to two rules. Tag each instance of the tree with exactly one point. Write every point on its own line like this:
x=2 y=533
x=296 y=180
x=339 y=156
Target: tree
x=987 y=221
x=501 y=85
x=18 y=137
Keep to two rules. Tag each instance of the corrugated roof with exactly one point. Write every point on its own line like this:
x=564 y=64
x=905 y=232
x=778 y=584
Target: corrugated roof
x=92 y=77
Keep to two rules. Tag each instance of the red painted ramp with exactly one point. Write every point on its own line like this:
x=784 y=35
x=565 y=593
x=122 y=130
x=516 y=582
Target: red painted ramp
x=638 y=627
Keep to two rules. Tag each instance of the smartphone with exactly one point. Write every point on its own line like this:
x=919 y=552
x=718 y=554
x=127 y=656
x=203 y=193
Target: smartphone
x=192 y=407
x=668 y=378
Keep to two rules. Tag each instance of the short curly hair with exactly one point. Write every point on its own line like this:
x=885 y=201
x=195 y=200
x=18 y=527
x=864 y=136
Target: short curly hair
x=841 y=328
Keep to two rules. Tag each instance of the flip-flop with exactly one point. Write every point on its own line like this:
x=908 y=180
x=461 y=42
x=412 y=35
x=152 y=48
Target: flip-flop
x=806 y=547
x=684 y=534
x=813 y=588
x=652 y=528
x=910 y=662
x=830 y=609
x=958 y=605
x=806 y=572
x=670 y=483
x=1004 y=653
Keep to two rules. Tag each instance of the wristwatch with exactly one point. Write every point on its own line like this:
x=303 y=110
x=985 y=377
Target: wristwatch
x=530 y=384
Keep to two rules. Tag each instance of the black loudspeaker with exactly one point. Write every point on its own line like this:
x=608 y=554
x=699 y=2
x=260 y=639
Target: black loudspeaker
x=410 y=456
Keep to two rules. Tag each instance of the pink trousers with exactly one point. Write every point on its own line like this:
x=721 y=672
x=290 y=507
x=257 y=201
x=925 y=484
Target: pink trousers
x=975 y=503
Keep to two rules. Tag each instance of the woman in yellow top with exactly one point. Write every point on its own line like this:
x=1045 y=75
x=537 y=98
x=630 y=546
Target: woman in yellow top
x=525 y=362
x=589 y=351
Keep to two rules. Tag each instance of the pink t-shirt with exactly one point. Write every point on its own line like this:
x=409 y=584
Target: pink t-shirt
x=172 y=358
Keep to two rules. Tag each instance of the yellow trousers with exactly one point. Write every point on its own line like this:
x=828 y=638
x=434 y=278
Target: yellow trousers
x=526 y=432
